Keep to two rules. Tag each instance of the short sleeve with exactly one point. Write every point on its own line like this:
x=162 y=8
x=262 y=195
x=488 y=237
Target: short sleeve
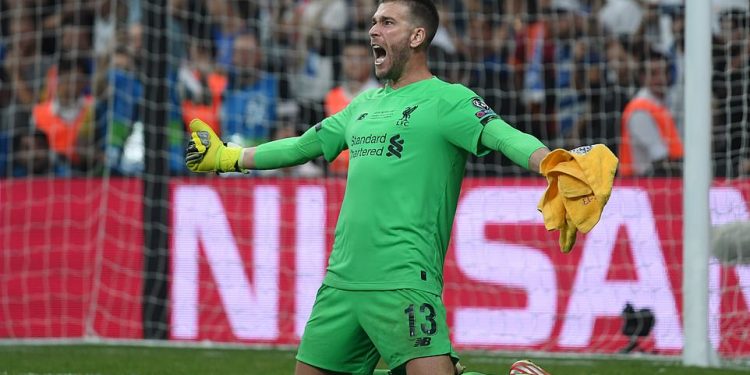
x=463 y=116
x=332 y=133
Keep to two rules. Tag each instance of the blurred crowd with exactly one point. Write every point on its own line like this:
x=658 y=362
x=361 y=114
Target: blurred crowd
x=571 y=72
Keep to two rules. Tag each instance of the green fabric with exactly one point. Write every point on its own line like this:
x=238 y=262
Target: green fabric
x=288 y=152
x=408 y=151
x=119 y=132
x=349 y=330
x=516 y=145
x=176 y=134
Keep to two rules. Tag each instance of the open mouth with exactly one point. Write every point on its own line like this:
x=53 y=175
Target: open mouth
x=379 y=53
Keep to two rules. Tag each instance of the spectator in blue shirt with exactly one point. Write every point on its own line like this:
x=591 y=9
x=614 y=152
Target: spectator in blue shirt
x=117 y=110
x=248 y=110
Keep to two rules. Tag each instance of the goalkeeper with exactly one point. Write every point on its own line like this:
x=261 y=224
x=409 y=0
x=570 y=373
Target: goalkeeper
x=408 y=143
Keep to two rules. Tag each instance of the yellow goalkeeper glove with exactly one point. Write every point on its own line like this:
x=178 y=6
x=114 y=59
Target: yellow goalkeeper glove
x=207 y=153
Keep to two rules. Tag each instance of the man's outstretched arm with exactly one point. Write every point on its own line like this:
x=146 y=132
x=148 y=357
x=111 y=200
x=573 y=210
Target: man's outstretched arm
x=207 y=153
x=283 y=153
x=523 y=149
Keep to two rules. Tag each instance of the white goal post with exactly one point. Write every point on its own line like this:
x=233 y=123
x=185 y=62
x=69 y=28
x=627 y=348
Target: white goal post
x=697 y=181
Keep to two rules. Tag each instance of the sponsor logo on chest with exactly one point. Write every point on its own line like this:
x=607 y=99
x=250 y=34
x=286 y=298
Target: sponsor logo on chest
x=376 y=145
x=381 y=144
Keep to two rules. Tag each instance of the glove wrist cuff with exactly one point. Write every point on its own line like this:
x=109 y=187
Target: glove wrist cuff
x=227 y=159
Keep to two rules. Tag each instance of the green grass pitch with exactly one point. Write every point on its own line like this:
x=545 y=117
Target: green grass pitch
x=137 y=360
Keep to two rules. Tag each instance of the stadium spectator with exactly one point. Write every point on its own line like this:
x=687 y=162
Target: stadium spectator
x=248 y=109
x=546 y=49
x=279 y=47
x=569 y=53
x=5 y=92
x=118 y=93
x=731 y=91
x=490 y=75
x=360 y=16
x=651 y=144
x=74 y=41
x=227 y=25
x=6 y=157
x=32 y=155
x=357 y=77
x=676 y=54
x=284 y=26
x=621 y=17
x=256 y=16
x=67 y=118
x=602 y=98
x=188 y=32
x=621 y=67
x=200 y=84
x=110 y=17
x=24 y=66
x=490 y=71
x=76 y=38
x=314 y=71
x=620 y=84
x=187 y=22
x=135 y=39
x=638 y=21
x=599 y=121
x=532 y=59
x=13 y=123
x=4 y=18
x=447 y=44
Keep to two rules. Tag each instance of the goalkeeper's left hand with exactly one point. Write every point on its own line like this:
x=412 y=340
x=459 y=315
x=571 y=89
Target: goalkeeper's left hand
x=207 y=153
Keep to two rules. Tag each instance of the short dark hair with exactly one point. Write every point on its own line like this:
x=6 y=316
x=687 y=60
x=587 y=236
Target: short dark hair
x=737 y=17
x=30 y=132
x=654 y=55
x=426 y=14
x=650 y=55
x=70 y=63
x=356 y=40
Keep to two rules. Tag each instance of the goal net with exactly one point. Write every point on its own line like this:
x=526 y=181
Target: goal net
x=104 y=234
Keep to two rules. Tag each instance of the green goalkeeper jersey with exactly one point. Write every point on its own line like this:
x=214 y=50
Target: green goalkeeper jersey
x=407 y=150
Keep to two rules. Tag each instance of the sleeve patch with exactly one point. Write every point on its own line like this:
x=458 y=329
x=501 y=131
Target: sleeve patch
x=485 y=113
x=489 y=118
x=482 y=114
x=479 y=103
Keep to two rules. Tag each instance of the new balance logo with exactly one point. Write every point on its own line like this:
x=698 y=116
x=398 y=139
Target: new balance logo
x=362 y=116
x=422 y=341
x=396 y=146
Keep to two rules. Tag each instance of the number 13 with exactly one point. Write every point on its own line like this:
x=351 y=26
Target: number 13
x=429 y=314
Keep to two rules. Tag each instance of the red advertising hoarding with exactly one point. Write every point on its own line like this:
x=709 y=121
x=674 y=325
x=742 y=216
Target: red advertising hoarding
x=71 y=262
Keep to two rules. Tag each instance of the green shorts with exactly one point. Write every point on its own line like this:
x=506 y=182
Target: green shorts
x=349 y=330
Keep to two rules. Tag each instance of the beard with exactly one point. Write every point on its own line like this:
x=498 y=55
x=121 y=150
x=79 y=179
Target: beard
x=400 y=55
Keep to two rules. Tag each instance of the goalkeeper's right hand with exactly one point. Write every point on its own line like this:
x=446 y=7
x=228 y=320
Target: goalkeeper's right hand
x=207 y=153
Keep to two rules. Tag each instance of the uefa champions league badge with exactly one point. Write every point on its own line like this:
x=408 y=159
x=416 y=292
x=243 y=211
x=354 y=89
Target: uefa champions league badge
x=479 y=103
x=581 y=150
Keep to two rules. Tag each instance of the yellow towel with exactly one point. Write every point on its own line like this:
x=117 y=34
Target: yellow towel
x=579 y=183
